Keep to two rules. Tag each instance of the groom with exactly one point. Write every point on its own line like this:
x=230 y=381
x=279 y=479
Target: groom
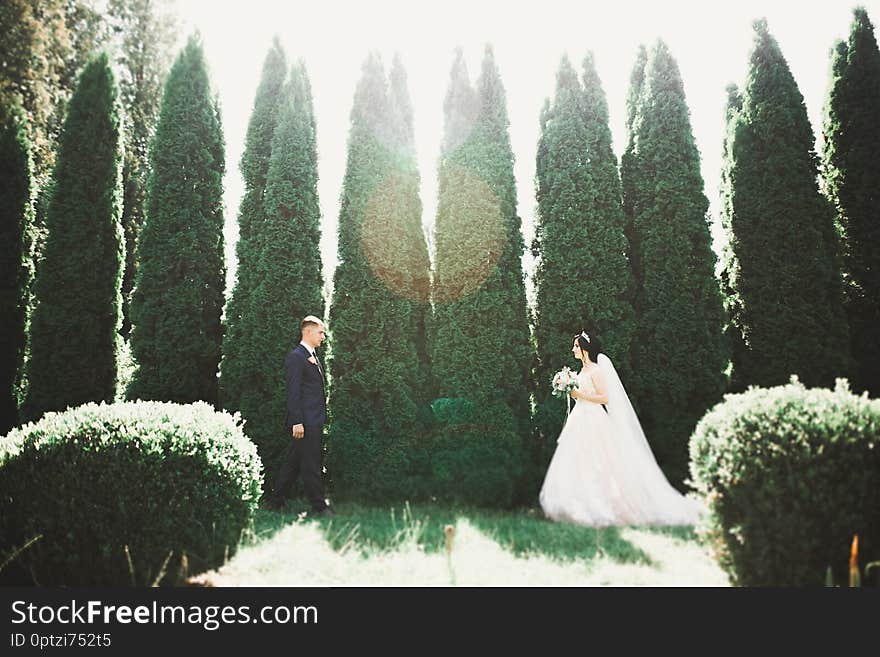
x=306 y=415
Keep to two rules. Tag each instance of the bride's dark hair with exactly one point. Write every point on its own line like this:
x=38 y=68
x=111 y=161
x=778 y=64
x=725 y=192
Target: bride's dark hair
x=592 y=346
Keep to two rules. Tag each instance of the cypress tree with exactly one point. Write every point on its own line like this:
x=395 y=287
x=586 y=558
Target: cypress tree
x=16 y=263
x=376 y=446
x=239 y=376
x=145 y=36
x=851 y=158
x=781 y=266
x=481 y=350
x=73 y=338
x=583 y=278
x=43 y=47
x=416 y=263
x=178 y=296
x=629 y=161
x=679 y=350
x=460 y=106
x=287 y=277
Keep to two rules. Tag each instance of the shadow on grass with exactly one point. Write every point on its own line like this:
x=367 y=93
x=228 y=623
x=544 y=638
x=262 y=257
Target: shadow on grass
x=683 y=533
x=529 y=532
x=523 y=532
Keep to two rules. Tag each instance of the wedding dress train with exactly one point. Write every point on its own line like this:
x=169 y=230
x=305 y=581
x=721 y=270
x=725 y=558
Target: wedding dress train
x=603 y=471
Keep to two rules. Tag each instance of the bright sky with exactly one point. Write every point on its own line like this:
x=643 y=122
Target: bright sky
x=711 y=42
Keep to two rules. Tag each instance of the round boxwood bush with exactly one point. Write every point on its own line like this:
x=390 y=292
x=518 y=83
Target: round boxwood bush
x=110 y=491
x=790 y=474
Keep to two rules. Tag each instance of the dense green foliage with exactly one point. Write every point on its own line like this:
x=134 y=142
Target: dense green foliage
x=782 y=280
x=45 y=44
x=238 y=369
x=790 y=474
x=583 y=278
x=178 y=298
x=481 y=350
x=852 y=174
x=73 y=333
x=679 y=352
x=286 y=279
x=144 y=35
x=377 y=448
x=16 y=263
x=131 y=493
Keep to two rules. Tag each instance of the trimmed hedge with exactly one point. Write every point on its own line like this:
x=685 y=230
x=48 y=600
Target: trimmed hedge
x=148 y=477
x=790 y=475
x=473 y=455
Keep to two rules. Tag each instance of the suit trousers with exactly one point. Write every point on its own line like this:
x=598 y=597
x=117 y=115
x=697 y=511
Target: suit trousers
x=303 y=458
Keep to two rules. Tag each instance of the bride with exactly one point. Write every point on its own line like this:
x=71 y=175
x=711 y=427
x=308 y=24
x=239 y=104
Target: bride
x=603 y=471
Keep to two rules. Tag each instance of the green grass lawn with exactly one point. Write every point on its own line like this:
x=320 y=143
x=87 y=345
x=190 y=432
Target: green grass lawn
x=406 y=546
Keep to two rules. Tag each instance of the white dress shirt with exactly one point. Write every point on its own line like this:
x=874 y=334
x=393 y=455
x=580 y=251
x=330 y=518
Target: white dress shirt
x=315 y=356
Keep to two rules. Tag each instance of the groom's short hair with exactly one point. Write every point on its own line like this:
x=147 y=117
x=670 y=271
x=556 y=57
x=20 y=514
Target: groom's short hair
x=311 y=320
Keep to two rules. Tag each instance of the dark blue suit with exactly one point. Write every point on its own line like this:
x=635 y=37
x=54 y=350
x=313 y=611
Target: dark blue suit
x=306 y=402
x=306 y=405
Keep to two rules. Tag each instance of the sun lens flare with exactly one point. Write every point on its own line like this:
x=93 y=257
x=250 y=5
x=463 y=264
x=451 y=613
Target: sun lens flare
x=468 y=252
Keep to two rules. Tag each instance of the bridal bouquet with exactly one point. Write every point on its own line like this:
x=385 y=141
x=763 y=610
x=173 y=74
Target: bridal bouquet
x=564 y=381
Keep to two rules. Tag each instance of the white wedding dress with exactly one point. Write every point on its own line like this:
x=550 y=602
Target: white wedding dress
x=603 y=472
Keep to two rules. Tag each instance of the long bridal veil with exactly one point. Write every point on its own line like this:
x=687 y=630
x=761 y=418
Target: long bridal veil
x=668 y=504
x=621 y=412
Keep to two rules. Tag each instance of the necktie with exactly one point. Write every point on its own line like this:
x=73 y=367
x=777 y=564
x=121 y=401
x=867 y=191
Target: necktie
x=318 y=362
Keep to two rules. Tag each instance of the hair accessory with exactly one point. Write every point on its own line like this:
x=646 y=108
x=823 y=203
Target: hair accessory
x=586 y=337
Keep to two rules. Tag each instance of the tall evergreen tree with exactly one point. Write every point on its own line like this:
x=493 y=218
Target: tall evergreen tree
x=852 y=175
x=287 y=275
x=48 y=43
x=238 y=372
x=178 y=297
x=583 y=278
x=73 y=333
x=460 y=106
x=16 y=263
x=88 y=34
x=44 y=45
x=415 y=261
x=375 y=449
x=628 y=160
x=144 y=36
x=679 y=351
x=781 y=265
x=481 y=350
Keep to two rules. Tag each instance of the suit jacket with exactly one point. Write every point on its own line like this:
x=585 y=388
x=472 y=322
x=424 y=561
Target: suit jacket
x=306 y=401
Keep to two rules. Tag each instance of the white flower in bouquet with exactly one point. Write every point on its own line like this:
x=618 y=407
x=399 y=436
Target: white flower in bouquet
x=564 y=381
